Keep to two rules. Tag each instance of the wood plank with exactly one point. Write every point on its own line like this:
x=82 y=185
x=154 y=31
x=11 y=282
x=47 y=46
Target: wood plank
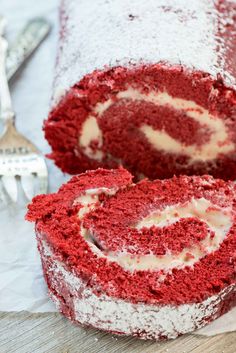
x=51 y=333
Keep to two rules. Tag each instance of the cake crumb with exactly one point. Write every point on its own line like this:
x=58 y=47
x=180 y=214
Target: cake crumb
x=132 y=17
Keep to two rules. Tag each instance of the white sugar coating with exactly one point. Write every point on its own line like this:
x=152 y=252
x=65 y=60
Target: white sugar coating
x=113 y=314
x=119 y=32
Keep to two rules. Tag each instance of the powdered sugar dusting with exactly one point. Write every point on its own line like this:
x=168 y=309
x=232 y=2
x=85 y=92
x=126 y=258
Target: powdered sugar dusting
x=120 y=32
x=153 y=321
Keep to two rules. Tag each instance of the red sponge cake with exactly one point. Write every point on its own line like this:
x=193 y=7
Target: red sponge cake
x=154 y=259
x=146 y=84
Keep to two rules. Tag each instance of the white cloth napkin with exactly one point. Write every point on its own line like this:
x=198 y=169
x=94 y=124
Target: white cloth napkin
x=22 y=285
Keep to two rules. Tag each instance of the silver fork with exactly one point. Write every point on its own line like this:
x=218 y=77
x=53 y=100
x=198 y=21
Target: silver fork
x=29 y=38
x=19 y=158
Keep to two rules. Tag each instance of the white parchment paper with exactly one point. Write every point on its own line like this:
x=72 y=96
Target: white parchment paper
x=21 y=282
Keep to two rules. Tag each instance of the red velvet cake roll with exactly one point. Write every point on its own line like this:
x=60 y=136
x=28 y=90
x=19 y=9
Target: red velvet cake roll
x=154 y=260
x=146 y=84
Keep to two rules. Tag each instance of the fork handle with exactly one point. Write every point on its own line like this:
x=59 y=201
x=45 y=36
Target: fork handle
x=7 y=113
x=26 y=42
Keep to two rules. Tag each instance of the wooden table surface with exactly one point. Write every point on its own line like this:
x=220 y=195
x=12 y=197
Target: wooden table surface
x=51 y=333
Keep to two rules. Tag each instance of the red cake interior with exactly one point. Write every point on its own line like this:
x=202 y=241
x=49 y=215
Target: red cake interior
x=124 y=142
x=110 y=229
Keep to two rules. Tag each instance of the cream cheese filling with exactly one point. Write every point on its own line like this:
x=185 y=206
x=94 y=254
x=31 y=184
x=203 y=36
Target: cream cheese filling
x=218 y=221
x=91 y=132
x=219 y=141
x=90 y=197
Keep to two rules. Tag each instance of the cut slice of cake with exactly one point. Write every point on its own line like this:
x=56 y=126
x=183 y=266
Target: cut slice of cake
x=146 y=84
x=154 y=259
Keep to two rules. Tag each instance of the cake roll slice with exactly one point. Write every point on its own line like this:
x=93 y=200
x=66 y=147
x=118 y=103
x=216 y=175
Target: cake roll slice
x=153 y=260
x=146 y=84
